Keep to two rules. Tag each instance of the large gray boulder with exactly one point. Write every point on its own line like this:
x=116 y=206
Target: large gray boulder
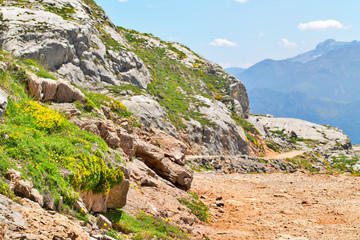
x=223 y=136
x=72 y=45
x=3 y=102
x=150 y=113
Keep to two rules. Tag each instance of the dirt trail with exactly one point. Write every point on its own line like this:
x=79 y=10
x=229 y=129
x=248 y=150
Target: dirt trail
x=281 y=206
x=275 y=155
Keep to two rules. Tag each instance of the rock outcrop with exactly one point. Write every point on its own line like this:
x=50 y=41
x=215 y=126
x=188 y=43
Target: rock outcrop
x=45 y=89
x=156 y=196
x=80 y=44
x=28 y=220
x=71 y=43
x=281 y=130
x=3 y=102
x=23 y=188
x=150 y=113
x=169 y=165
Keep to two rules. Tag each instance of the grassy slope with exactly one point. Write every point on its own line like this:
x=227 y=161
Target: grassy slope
x=59 y=158
x=174 y=84
x=50 y=151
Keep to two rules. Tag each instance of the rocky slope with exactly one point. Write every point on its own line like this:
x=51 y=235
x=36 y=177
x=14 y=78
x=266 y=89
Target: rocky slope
x=86 y=149
x=78 y=41
x=96 y=118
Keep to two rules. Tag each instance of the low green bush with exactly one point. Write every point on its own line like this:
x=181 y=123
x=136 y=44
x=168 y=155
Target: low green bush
x=197 y=207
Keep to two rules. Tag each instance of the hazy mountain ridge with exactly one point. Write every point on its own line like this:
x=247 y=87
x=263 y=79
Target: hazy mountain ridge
x=327 y=78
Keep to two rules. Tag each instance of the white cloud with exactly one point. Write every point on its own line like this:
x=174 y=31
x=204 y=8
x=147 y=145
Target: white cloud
x=321 y=25
x=122 y=1
x=261 y=34
x=241 y=1
x=219 y=42
x=287 y=44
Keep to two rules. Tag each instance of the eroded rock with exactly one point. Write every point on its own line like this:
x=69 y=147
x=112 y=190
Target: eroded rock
x=103 y=223
x=50 y=90
x=3 y=102
x=154 y=157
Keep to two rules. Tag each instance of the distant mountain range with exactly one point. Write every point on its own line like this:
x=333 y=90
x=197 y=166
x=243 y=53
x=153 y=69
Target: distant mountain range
x=321 y=86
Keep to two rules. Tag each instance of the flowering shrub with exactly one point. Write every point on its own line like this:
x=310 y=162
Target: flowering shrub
x=45 y=119
x=92 y=174
x=89 y=105
x=96 y=100
x=119 y=108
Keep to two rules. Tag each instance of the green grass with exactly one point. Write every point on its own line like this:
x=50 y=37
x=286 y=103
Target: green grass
x=144 y=226
x=305 y=161
x=97 y=100
x=279 y=132
x=197 y=207
x=54 y=154
x=181 y=55
x=41 y=70
x=248 y=127
x=117 y=89
x=66 y=12
x=199 y=167
x=272 y=145
x=110 y=43
x=174 y=84
x=343 y=163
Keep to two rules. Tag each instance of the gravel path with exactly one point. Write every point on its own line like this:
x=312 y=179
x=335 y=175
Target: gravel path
x=281 y=206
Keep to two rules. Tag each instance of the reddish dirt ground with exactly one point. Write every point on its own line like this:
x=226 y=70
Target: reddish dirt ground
x=281 y=206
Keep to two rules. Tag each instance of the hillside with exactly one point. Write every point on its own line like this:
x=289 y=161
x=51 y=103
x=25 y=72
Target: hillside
x=68 y=142
x=326 y=77
x=102 y=128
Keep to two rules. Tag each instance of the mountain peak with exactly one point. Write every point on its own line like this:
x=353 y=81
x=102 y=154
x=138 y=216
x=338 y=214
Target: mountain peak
x=325 y=44
x=321 y=49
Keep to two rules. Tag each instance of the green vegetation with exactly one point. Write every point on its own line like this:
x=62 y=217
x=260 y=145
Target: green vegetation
x=304 y=161
x=272 y=145
x=110 y=43
x=174 y=84
x=309 y=142
x=143 y=226
x=279 y=132
x=5 y=190
x=344 y=163
x=248 y=127
x=96 y=100
x=181 y=55
x=65 y=12
x=117 y=89
x=47 y=149
x=197 y=207
x=199 y=167
x=37 y=68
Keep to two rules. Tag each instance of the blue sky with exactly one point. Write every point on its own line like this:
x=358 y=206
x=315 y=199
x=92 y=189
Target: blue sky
x=240 y=33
